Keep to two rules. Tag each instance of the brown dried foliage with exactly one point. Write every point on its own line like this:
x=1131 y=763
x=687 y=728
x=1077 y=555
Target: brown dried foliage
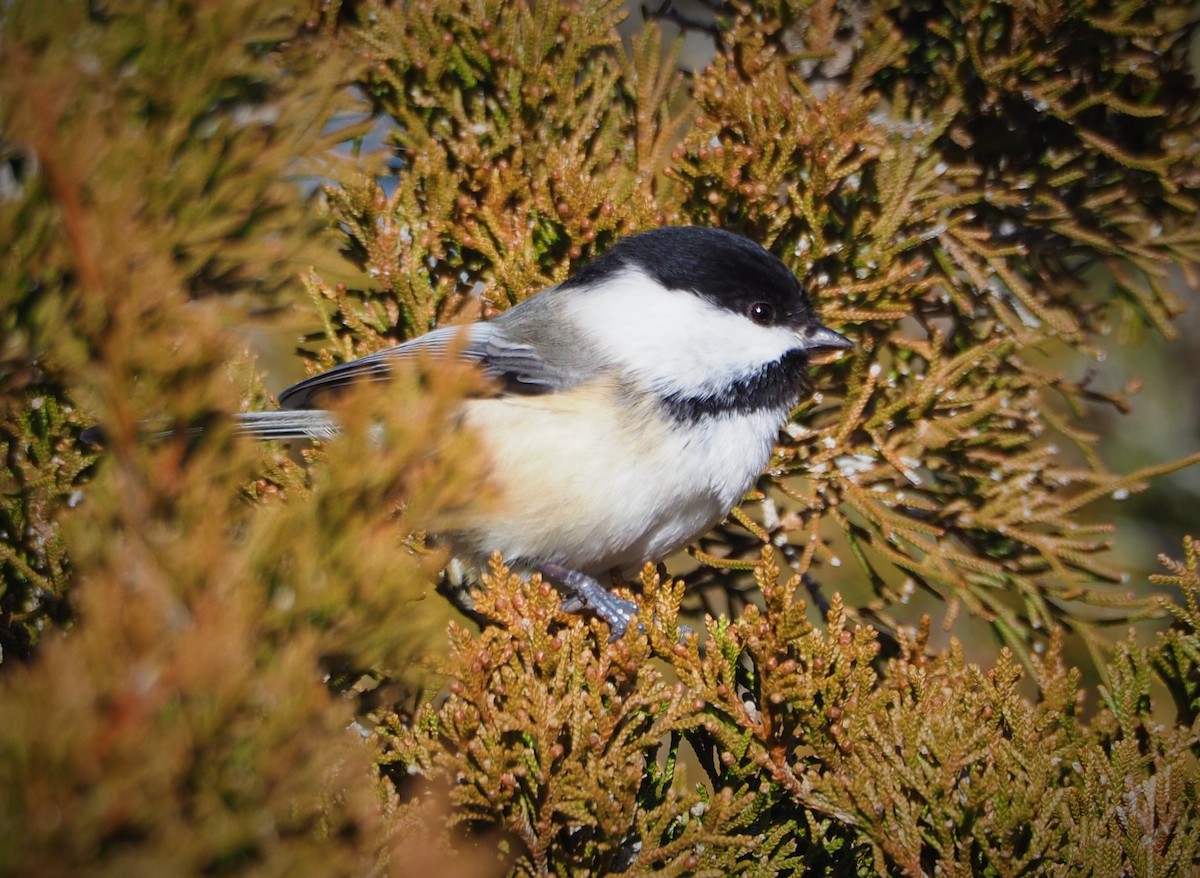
x=949 y=179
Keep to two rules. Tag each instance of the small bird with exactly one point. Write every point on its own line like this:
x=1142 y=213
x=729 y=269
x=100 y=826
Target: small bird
x=638 y=402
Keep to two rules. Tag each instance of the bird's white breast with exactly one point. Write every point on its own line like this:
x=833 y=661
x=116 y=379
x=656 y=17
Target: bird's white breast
x=593 y=483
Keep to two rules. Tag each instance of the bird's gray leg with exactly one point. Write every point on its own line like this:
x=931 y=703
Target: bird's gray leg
x=582 y=592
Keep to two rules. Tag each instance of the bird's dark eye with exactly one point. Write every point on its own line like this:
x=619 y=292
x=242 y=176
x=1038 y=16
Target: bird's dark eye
x=762 y=313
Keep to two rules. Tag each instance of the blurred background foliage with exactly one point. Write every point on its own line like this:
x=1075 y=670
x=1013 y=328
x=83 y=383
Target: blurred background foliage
x=228 y=659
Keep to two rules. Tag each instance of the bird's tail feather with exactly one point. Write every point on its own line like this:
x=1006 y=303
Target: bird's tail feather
x=302 y=424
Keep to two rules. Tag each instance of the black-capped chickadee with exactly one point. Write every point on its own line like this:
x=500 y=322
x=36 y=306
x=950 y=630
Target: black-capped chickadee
x=639 y=400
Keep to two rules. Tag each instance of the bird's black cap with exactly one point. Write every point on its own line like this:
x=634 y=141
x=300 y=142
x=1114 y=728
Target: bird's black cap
x=729 y=270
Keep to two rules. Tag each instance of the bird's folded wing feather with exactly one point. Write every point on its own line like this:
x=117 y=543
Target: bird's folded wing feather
x=517 y=366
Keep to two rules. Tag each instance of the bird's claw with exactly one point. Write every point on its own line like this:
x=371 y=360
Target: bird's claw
x=583 y=592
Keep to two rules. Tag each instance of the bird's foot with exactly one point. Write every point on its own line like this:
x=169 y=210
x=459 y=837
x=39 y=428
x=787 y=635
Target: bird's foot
x=583 y=593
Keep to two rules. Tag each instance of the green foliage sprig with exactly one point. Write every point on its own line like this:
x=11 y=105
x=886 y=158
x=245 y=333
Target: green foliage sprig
x=178 y=132
x=894 y=180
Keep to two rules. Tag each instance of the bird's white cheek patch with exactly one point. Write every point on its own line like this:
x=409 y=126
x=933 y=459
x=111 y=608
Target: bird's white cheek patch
x=675 y=341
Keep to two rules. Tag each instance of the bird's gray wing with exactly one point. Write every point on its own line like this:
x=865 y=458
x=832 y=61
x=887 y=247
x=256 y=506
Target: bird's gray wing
x=516 y=365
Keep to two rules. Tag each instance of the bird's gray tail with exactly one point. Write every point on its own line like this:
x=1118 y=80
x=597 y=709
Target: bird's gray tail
x=302 y=424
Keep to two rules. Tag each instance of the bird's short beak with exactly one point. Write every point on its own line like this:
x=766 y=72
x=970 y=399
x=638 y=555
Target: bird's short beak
x=821 y=338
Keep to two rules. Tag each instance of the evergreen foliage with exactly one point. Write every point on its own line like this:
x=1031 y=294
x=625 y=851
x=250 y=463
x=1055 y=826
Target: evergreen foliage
x=217 y=660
